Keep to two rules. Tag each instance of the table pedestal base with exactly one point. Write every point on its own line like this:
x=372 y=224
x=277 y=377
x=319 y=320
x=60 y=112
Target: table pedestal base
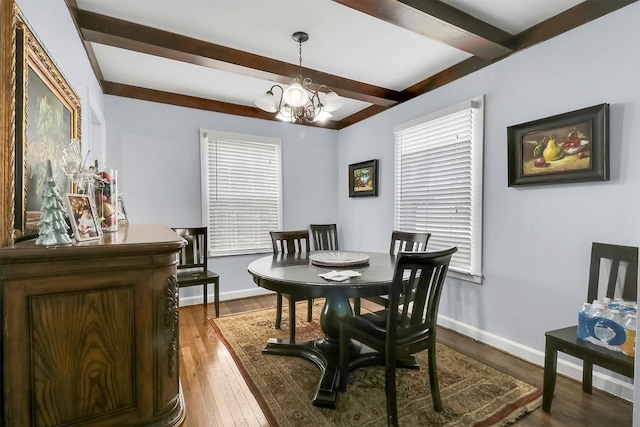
x=325 y=355
x=325 y=352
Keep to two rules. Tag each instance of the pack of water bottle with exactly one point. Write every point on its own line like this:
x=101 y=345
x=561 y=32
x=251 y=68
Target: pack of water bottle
x=609 y=323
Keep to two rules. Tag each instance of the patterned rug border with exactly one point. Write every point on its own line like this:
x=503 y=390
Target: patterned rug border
x=508 y=415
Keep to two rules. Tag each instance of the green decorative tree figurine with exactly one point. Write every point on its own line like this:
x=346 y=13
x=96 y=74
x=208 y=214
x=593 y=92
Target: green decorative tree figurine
x=53 y=228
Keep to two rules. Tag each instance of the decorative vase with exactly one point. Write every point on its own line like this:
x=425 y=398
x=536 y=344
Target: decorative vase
x=106 y=197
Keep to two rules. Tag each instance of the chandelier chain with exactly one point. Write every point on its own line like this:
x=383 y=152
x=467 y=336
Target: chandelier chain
x=300 y=53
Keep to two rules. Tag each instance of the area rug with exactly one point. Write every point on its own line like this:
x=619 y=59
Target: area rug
x=472 y=393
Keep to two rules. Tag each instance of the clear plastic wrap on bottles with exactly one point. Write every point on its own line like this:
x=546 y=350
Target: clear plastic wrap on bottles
x=603 y=323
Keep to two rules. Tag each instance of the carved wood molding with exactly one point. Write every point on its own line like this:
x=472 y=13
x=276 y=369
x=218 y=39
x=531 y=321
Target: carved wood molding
x=169 y=308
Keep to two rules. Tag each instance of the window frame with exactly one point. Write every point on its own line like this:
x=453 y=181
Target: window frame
x=208 y=137
x=474 y=271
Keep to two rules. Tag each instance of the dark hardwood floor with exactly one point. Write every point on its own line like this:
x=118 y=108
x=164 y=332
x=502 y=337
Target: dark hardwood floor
x=216 y=394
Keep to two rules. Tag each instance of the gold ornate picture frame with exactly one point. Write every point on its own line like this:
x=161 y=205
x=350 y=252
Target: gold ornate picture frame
x=8 y=13
x=47 y=118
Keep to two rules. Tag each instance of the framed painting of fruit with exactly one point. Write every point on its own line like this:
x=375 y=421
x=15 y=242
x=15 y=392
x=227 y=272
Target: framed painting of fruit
x=363 y=179
x=569 y=147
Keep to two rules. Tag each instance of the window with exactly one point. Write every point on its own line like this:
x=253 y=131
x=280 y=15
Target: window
x=241 y=191
x=438 y=182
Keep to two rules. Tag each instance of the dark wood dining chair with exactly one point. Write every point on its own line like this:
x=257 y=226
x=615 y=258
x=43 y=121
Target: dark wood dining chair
x=402 y=329
x=622 y=264
x=401 y=241
x=192 y=264
x=325 y=237
x=290 y=242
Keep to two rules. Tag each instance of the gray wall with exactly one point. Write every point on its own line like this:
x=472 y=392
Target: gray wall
x=536 y=240
x=156 y=149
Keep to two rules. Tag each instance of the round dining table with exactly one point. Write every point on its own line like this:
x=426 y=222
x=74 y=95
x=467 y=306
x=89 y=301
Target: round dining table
x=295 y=274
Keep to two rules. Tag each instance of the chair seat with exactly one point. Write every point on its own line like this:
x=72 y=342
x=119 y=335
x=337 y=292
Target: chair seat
x=566 y=340
x=189 y=278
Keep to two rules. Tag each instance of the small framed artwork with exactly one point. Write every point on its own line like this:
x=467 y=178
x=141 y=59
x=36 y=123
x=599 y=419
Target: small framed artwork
x=569 y=147
x=83 y=217
x=121 y=213
x=363 y=179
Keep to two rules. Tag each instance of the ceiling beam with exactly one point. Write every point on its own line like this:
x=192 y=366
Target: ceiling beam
x=582 y=13
x=122 y=34
x=100 y=29
x=153 y=95
x=578 y=15
x=439 y=21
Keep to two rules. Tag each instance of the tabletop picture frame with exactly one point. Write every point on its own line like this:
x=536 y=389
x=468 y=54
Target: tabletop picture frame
x=363 y=179
x=566 y=148
x=83 y=217
x=121 y=213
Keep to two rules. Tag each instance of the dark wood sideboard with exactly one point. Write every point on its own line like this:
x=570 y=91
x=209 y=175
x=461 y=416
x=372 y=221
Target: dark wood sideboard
x=90 y=331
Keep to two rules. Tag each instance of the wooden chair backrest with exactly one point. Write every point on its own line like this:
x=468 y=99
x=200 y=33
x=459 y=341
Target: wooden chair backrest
x=194 y=254
x=421 y=275
x=289 y=242
x=613 y=272
x=408 y=241
x=325 y=237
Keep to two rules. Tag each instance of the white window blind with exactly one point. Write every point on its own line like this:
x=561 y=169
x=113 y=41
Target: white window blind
x=241 y=184
x=438 y=183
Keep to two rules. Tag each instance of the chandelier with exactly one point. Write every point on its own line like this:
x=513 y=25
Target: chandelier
x=299 y=102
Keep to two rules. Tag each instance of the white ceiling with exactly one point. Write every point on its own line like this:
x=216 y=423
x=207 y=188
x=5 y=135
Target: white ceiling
x=342 y=41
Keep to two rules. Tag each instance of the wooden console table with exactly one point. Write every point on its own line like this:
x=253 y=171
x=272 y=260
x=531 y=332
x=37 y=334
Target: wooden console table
x=90 y=331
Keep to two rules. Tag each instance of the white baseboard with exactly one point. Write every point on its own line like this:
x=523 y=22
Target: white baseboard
x=602 y=381
x=225 y=296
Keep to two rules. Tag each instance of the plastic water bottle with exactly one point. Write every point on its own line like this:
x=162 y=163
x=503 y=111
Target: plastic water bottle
x=608 y=330
x=629 y=345
x=583 y=318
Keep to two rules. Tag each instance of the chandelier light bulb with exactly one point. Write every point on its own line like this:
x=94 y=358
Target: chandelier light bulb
x=295 y=95
x=267 y=102
x=332 y=102
x=322 y=116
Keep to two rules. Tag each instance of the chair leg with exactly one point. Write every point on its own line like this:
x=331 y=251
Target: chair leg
x=356 y=306
x=587 y=376
x=549 y=381
x=310 y=310
x=390 y=389
x=433 y=379
x=204 y=294
x=292 y=320
x=278 y=310
x=216 y=295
